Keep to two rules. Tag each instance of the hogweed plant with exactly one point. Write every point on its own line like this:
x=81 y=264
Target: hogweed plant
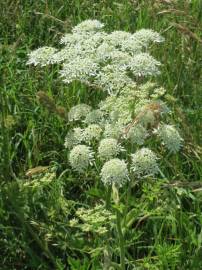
x=119 y=138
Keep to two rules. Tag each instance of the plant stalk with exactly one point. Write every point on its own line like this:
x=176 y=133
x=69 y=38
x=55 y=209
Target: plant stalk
x=121 y=240
x=108 y=197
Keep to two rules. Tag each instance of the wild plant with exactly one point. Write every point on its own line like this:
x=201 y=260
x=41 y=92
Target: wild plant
x=121 y=138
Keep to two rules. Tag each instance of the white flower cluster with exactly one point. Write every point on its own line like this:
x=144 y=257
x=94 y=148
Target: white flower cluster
x=41 y=56
x=78 y=112
x=144 y=64
x=144 y=163
x=79 y=69
x=118 y=108
x=128 y=115
x=110 y=79
x=113 y=130
x=94 y=117
x=147 y=36
x=170 y=137
x=109 y=148
x=115 y=125
x=158 y=92
x=88 y=26
x=91 y=55
x=80 y=157
x=92 y=132
x=115 y=172
x=137 y=134
x=71 y=139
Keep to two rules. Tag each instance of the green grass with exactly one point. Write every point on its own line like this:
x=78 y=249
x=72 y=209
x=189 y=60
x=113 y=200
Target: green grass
x=30 y=136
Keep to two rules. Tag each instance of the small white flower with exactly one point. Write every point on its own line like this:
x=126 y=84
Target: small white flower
x=144 y=64
x=94 y=117
x=109 y=148
x=66 y=54
x=113 y=131
x=92 y=132
x=115 y=172
x=74 y=137
x=115 y=38
x=104 y=52
x=131 y=45
x=147 y=36
x=144 y=90
x=88 y=26
x=70 y=140
x=137 y=134
x=78 y=134
x=79 y=69
x=158 y=92
x=80 y=158
x=170 y=137
x=41 y=56
x=78 y=112
x=112 y=80
x=144 y=163
x=69 y=38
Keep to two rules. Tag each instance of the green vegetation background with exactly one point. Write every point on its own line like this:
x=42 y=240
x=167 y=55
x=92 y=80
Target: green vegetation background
x=30 y=136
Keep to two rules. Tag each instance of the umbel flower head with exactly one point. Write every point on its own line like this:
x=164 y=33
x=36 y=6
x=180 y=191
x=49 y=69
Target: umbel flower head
x=80 y=158
x=92 y=132
x=147 y=36
x=79 y=69
x=144 y=163
x=144 y=64
x=114 y=172
x=78 y=112
x=70 y=140
x=41 y=56
x=94 y=117
x=170 y=137
x=94 y=57
x=113 y=130
x=74 y=137
x=88 y=26
x=108 y=148
x=137 y=134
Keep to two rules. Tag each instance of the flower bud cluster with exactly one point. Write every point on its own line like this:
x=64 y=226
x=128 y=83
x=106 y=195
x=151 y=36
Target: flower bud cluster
x=144 y=163
x=170 y=137
x=80 y=157
x=109 y=148
x=114 y=172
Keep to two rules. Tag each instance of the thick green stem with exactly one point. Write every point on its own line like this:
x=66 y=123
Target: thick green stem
x=121 y=240
x=108 y=197
x=108 y=200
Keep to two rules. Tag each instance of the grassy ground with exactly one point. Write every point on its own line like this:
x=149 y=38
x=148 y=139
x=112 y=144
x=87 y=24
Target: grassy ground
x=31 y=137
